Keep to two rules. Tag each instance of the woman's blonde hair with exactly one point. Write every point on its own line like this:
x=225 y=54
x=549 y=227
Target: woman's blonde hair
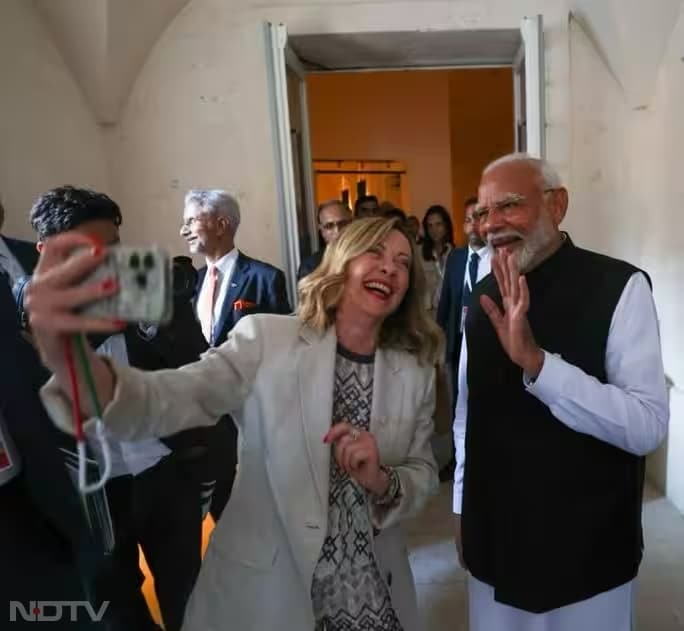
x=409 y=328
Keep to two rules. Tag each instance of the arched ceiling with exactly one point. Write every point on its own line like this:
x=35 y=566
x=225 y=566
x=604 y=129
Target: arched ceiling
x=106 y=42
x=632 y=36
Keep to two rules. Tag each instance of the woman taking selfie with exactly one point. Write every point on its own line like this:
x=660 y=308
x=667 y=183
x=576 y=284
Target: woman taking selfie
x=334 y=408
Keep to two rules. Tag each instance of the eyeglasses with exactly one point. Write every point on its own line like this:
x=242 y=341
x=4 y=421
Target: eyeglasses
x=506 y=207
x=329 y=226
x=188 y=222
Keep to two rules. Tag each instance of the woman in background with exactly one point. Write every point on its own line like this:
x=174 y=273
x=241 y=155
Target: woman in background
x=438 y=241
x=437 y=244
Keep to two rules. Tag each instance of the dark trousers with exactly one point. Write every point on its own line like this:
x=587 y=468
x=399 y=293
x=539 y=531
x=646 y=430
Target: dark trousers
x=36 y=563
x=160 y=510
x=223 y=463
x=447 y=472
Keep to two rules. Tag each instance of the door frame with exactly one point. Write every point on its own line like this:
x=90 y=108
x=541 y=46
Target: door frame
x=280 y=57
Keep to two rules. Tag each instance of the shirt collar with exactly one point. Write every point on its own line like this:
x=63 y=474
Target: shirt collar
x=226 y=262
x=483 y=253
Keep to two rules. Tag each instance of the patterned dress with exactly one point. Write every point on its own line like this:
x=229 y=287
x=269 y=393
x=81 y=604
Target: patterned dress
x=348 y=590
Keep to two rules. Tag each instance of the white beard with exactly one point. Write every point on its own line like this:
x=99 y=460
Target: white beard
x=533 y=244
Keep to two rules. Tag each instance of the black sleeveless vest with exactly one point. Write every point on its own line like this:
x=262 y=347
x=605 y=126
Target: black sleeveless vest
x=550 y=516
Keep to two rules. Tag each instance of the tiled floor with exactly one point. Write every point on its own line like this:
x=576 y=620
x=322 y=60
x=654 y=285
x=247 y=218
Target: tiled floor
x=441 y=583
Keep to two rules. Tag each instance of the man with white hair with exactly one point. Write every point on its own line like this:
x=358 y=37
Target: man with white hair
x=565 y=396
x=231 y=286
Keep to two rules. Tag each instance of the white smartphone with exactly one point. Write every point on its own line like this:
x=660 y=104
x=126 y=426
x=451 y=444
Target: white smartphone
x=145 y=286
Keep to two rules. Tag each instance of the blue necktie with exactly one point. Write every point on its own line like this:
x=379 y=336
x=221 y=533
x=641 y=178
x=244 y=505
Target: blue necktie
x=473 y=264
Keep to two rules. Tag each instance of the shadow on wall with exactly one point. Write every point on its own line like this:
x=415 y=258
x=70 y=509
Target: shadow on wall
x=656 y=463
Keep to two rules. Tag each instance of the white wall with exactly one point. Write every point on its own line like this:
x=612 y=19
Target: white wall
x=627 y=195
x=48 y=136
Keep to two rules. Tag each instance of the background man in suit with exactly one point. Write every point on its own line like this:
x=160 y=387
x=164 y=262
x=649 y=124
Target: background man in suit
x=17 y=258
x=333 y=216
x=465 y=267
x=153 y=494
x=230 y=286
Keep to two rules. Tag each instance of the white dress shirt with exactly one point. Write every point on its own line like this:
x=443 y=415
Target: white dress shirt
x=128 y=458
x=630 y=411
x=485 y=264
x=9 y=263
x=484 y=269
x=225 y=267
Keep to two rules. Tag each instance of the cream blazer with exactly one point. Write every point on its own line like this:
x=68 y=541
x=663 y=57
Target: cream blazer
x=275 y=376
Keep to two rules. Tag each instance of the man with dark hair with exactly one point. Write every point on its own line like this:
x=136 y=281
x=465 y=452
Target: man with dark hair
x=465 y=267
x=66 y=208
x=395 y=213
x=153 y=493
x=333 y=217
x=17 y=258
x=366 y=206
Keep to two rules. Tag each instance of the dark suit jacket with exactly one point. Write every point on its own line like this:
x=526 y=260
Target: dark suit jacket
x=450 y=304
x=310 y=263
x=260 y=285
x=178 y=343
x=47 y=526
x=24 y=251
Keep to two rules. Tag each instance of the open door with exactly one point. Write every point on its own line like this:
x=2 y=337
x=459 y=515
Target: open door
x=530 y=89
x=298 y=221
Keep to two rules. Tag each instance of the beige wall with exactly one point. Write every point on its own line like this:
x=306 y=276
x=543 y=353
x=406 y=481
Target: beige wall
x=48 y=135
x=627 y=198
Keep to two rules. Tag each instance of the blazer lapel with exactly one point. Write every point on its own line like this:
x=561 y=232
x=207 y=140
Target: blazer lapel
x=316 y=376
x=388 y=395
x=237 y=282
x=201 y=273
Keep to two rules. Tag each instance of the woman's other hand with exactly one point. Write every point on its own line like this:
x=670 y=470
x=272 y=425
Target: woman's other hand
x=356 y=452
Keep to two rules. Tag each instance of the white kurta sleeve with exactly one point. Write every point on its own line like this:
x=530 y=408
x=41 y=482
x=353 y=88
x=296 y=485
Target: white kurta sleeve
x=460 y=415
x=631 y=411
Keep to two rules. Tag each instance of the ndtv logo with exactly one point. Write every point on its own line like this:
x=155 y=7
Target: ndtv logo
x=54 y=610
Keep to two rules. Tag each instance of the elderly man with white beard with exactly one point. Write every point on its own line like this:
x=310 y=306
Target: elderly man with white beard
x=563 y=394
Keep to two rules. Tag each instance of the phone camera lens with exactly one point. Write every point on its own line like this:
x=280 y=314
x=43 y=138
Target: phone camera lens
x=141 y=281
x=134 y=261
x=148 y=261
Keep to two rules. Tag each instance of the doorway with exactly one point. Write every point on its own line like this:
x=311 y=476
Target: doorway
x=294 y=60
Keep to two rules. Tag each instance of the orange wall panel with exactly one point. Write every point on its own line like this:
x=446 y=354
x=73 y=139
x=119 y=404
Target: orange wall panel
x=400 y=116
x=481 y=128
x=444 y=125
